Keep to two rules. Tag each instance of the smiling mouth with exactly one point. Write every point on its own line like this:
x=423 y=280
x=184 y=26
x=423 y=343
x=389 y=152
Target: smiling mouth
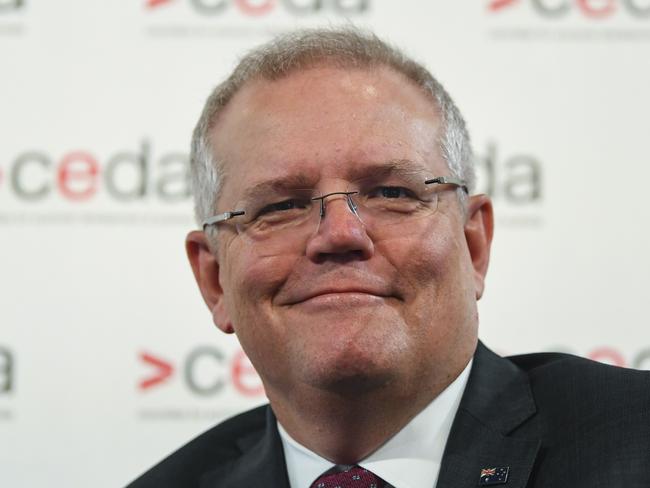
x=339 y=296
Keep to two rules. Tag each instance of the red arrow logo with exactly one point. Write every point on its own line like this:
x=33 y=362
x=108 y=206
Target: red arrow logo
x=499 y=4
x=164 y=371
x=156 y=3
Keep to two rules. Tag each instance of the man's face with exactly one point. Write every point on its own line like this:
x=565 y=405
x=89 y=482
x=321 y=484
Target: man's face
x=350 y=307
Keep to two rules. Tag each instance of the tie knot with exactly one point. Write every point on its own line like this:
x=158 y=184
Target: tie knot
x=353 y=477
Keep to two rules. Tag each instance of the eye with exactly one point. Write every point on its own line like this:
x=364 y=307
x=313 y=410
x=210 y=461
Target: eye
x=284 y=206
x=390 y=192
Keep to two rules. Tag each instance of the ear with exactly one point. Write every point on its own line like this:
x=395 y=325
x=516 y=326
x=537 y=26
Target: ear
x=205 y=266
x=479 y=227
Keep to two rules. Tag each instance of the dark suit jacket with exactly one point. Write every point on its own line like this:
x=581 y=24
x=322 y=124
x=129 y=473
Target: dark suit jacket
x=555 y=420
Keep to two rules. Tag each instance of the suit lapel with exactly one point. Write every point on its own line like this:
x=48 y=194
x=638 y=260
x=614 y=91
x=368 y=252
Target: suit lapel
x=496 y=402
x=261 y=464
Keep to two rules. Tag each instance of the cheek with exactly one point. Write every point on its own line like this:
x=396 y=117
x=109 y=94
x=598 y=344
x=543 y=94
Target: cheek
x=436 y=276
x=423 y=260
x=248 y=293
x=251 y=284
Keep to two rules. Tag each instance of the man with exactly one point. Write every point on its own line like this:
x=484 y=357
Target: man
x=339 y=242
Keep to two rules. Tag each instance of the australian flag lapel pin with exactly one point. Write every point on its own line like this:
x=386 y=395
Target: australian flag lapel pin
x=493 y=476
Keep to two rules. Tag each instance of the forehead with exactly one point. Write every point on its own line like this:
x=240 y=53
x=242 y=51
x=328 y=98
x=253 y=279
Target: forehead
x=325 y=122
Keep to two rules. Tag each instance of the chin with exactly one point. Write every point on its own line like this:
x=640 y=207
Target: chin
x=347 y=374
x=352 y=384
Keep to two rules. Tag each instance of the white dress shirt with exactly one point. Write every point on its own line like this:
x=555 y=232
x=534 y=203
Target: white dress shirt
x=410 y=459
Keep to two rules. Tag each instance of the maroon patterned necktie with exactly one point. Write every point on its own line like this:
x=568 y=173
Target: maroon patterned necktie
x=352 y=477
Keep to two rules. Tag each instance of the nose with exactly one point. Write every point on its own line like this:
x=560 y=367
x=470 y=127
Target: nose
x=341 y=234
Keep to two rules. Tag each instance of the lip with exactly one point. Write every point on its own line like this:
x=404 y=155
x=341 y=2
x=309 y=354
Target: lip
x=339 y=293
x=335 y=300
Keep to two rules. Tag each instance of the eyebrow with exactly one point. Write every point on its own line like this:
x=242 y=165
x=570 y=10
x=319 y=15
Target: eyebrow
x=289 y=182
x=397 y=167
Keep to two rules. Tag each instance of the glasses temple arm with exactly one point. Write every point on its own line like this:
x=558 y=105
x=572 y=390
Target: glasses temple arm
x=222 y=217
x=448 y=180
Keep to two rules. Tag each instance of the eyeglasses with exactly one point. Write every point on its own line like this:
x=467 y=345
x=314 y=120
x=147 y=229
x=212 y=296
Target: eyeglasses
x=385 y=206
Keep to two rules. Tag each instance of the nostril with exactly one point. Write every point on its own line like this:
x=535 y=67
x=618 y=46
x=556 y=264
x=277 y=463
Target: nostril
x=341 y=236
x=341 y=258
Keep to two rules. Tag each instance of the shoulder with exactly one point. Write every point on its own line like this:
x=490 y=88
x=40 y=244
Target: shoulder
x=580 y=398
x=573 y=374
x=214 y=449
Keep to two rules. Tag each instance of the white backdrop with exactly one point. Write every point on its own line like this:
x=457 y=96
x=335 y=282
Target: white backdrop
x=108 y=358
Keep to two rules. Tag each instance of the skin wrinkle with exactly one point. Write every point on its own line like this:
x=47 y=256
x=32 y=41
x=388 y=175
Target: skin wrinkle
x=399 y=167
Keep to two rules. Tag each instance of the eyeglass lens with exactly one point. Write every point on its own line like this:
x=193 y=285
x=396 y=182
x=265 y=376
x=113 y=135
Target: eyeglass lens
x=285 y=218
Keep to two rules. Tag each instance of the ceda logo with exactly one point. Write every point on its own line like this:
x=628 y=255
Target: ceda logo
x=592 y=9
x=6 y=371
x=79 y=176
x=205 y=371
x=11 y=5
x=254 y=8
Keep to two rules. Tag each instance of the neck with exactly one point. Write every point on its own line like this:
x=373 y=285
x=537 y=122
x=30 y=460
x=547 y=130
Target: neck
x=346 y=426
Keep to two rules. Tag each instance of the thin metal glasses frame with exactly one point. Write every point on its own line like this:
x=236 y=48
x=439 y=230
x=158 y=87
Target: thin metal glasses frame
x=441 y=180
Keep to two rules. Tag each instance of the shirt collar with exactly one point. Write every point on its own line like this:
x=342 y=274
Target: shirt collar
x=410 y=459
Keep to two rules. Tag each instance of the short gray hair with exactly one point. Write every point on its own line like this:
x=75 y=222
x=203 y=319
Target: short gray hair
x=287 y=53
